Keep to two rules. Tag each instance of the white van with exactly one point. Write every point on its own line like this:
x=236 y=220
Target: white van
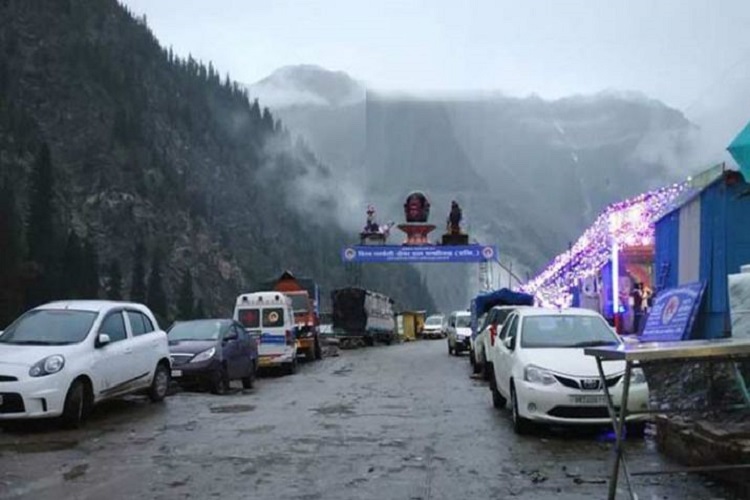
x=269 y=317
x=459 y=332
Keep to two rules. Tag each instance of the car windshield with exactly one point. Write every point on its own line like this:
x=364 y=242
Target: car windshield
x=49 y=327
x=434 y=321
x=463 y=321
x=566 y=331
x=197 y=330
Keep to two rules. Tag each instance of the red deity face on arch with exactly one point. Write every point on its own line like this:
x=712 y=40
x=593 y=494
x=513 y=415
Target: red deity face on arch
x=414 y=207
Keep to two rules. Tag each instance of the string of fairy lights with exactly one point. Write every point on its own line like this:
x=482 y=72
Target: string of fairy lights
x=629 y=223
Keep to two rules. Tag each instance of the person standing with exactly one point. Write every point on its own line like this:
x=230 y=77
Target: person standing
x=637 y=300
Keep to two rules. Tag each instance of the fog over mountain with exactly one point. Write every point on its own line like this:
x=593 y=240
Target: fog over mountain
x=530 y=173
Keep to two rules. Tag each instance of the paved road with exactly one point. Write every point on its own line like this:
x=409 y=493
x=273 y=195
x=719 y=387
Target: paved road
x=397 y=422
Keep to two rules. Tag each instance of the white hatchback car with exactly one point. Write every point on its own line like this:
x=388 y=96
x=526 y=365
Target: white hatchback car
x=539 y=365
x=59 y=359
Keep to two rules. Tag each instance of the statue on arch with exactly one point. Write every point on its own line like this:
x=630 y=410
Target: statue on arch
x=454 y=219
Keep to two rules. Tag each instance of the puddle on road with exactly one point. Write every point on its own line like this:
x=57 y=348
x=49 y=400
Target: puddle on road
x=232 y=409
x=337 y=409
x=260 y=429
x=76 y=472
x=344 y=370
x=38 y=446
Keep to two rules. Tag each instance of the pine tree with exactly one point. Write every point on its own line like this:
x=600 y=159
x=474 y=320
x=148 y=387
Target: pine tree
x=185 y=301
x=114 y=284
x=267 y=120
x=41 y=227
x=198 y=312
x=40 y=234
x=71 y=286
x=255 y=113
x=157 y=297
x=90 y=272
x=138 y=279
x=11 y=256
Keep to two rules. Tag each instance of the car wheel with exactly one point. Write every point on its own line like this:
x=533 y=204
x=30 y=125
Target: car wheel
x=498 y=401
x=291 y=367
x=160 y=384
x=520 y=425
x=486 y=374
x=220 y=381
x=318 y=350
x=74 y=408
x=249 y=381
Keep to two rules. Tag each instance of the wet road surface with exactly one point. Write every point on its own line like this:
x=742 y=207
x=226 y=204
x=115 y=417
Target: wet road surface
x=396 y=422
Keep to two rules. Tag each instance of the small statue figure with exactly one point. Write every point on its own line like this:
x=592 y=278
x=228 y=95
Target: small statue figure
x=454 y=219
x=371 y=226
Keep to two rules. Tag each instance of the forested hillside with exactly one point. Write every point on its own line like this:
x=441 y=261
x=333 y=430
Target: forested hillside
x=129 y=172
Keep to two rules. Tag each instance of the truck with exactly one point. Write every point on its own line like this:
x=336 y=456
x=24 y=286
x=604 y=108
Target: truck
x=305 y=296
x=364 y=316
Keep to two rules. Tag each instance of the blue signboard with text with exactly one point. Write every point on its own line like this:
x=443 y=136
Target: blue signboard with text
x=418 y=254
x=673 y=314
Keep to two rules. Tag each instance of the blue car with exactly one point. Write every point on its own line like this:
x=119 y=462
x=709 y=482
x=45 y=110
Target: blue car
x=212 y=352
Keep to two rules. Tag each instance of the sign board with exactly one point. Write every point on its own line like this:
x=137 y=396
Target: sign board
x=418 y=254
x=673 y=314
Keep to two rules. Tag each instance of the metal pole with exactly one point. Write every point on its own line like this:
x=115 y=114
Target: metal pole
x=620 y=438
x=510 y=274
x=510 y=271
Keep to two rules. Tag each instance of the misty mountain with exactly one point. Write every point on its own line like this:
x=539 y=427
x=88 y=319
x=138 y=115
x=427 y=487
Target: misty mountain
x=531 y=174
x=309 y=85
x=147 y=170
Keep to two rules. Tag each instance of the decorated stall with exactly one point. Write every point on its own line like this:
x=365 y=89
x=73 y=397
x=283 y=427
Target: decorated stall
x=610 y=267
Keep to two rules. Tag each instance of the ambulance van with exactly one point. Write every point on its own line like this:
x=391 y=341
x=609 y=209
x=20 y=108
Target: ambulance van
x=268 y=316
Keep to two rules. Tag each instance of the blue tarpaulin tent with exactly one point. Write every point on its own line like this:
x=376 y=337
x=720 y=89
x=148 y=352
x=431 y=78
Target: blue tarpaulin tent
x=740 y=151
x=503 y=297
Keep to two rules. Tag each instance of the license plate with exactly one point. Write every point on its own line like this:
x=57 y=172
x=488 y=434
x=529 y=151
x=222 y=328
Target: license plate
x=590 y=400
x=176 y=373
x=265 y=362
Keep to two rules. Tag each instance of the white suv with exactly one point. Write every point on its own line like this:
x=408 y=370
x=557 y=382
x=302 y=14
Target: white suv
x=459 y=332
x=59 y=359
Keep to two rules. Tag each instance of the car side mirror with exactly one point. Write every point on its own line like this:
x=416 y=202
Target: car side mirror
x=509 y=343
x=102 y=339
x=230 y=336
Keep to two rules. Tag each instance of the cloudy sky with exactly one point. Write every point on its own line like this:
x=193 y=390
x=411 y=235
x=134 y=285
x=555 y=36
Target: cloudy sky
x=675 y=50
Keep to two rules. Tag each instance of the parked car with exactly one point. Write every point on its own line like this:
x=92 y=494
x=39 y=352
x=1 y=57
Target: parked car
x=433 y=327
x=490 y=326
x=459 y=332
x=212 y=352
x=539 y=365
x=60 y=359
x=269 y=317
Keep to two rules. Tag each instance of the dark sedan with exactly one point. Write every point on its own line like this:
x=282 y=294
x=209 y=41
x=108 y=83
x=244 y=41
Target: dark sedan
x=212 y=352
